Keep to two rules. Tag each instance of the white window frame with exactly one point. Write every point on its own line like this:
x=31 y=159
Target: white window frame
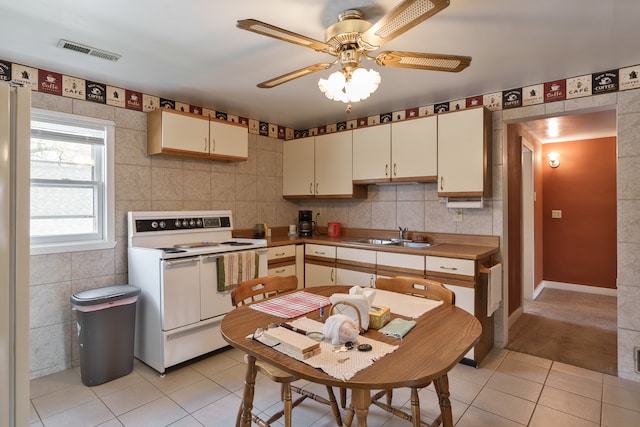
x=106 y=212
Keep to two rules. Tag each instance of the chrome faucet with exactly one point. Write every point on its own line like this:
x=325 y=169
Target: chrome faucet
x=403 y=233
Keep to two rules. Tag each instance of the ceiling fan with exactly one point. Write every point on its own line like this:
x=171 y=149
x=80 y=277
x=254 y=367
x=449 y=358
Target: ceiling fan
x=352 y=38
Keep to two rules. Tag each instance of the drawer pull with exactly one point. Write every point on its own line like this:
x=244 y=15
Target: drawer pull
x=282 y=270
x=320 y=253
x=448 y=268
x=280 y=254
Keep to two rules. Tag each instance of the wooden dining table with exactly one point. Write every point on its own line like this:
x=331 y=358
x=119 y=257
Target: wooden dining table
x=441 y=337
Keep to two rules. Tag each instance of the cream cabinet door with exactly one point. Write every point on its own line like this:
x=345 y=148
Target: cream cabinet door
x=461 y=153
x=372 y=154
x=185 y=133
x=333 y=164
x=353 y=278
x=465 y=299
x=298 y=159
x=318 y=275
x=228 y=140
x=414 y=150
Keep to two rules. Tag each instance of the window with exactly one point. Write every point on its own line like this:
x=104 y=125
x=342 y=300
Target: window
x=71 y=183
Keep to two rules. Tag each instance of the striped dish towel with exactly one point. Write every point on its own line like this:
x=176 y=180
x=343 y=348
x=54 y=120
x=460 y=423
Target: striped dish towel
x=236 y=267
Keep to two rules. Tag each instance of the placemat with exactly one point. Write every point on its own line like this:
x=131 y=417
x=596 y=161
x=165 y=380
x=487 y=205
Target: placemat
x=404 y=305
x=292 y=305
x=342 y=365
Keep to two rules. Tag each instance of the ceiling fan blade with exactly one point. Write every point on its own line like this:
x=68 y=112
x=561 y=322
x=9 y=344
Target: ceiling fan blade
x=280 y=34
x=401 y=18
x=294 y=75
x=423 y=61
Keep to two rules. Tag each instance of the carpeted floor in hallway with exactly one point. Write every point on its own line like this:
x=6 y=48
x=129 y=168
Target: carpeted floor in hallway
x=576 y=328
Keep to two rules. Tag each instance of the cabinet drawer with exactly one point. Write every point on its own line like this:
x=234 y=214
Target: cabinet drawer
x=357 y=255
x=279 y=252
x=463 y=267
x=285 y=270
x=392 y=259
x=322 y=251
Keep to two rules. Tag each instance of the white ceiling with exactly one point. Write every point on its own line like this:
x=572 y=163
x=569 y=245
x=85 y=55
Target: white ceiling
x=190 y=51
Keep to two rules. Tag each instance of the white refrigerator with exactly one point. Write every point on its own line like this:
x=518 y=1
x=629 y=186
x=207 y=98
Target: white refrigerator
x=15 y=130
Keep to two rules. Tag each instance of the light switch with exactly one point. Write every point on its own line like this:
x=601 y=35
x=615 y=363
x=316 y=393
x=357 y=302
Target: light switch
x=556 y=213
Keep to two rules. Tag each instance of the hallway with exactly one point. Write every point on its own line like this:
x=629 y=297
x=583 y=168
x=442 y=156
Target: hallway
x=576 y=328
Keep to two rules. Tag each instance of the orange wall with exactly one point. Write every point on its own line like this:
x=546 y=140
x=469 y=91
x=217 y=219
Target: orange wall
x=580 y=248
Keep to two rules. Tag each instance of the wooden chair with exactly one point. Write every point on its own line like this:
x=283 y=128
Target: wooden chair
x=417 y=287
x=255 y=290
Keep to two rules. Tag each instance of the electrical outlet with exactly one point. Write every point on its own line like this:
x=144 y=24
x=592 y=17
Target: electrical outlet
x=556 y=213
x=457 y=215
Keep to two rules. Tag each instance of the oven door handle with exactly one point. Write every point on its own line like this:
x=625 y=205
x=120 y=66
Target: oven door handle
x=180 y=263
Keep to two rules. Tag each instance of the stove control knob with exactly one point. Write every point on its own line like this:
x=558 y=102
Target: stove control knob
x=154 y=224
x=199 y=222
x=185 y=223
x=192 y=223
x=178 y=223
x=163 y=224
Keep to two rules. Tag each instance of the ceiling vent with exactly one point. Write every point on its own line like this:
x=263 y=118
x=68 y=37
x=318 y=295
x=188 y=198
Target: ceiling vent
x=87 y=50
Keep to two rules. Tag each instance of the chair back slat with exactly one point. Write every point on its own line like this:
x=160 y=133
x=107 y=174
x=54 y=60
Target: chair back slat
x=263 y=287
x=425 y=288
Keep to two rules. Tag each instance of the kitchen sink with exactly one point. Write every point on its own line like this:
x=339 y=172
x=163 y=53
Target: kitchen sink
x=376 y=242
x=405 y=244
x=391 y=242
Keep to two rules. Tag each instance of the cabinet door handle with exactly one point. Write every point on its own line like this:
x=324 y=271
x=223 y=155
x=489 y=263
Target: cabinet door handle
x=442 y=267
x=206 y=144
x=395 y=169
x=311 y=188
x=332 y=275
x=316 y=188
x=442 y=182
x=386 y=169
x=213 y=145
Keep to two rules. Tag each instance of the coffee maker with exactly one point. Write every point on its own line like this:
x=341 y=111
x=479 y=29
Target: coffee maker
x=305 y=223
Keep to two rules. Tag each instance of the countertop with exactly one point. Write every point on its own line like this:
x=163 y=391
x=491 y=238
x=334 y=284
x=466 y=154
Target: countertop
x=445 y=245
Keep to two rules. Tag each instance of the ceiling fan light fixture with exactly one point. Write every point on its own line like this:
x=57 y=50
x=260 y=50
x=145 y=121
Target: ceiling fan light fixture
x=351 y=86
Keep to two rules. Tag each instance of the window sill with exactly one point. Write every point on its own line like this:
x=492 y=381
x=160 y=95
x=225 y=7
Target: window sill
x=55 y=248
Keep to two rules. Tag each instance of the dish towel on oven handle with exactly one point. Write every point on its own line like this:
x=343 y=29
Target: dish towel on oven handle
x=236 y=267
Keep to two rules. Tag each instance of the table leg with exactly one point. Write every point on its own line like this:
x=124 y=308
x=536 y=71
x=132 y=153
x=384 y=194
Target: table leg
x=360 y=400
x=244 y=417
x=442 y=389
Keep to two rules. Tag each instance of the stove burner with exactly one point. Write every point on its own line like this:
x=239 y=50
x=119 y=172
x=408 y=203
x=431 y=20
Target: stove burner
x=236 y=243
x=172 y=250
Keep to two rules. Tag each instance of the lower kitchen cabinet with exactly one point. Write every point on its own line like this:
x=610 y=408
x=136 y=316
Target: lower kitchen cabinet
x=319 y=265
x=461 y=276
x=355 y=267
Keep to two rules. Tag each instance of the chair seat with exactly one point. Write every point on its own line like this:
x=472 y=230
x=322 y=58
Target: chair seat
x=273 y=373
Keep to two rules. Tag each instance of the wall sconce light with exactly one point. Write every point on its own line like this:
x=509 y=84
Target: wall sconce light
x=554 y=159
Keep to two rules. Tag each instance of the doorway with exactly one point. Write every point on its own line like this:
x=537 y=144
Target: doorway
x=525 y=251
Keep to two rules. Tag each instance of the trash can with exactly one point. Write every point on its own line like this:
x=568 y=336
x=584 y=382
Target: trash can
x=106 y=324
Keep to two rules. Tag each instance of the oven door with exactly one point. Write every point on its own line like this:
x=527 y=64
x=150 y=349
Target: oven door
x=180 y=292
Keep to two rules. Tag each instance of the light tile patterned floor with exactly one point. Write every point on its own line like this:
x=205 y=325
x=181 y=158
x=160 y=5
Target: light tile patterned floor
x=508 y=390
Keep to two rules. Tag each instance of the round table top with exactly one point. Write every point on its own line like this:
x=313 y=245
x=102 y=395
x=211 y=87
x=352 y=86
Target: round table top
x=441 y=337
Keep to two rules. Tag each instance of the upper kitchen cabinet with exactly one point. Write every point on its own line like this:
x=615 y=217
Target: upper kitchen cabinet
x=464 y=153
x=398 y=152
x=181 y=134
x=372 y=154
x=320 y=167
x=414 y=150
x=298 y=170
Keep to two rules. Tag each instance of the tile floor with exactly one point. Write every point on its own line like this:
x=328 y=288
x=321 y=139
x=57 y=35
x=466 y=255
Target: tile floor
x=509 y=389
